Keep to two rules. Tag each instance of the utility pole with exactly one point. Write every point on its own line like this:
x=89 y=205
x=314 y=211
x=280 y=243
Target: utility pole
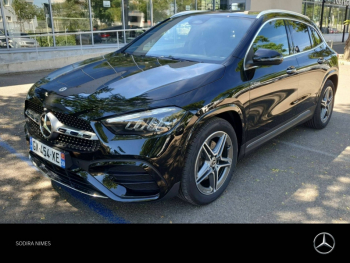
x=346 y=16
x=321 y=22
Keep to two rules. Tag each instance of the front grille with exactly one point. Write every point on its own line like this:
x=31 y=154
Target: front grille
x=73 y=121
x=66 y=177
x=35 y=107
x=66 y=119
x=64 y=141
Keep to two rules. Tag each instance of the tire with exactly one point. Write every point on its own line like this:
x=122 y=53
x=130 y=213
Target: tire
x=318 y=121
x=195 y=188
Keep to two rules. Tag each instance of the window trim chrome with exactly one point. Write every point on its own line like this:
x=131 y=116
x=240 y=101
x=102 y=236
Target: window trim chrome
x=281 y=18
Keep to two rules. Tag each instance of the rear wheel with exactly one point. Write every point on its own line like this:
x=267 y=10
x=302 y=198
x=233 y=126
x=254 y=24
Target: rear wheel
x=324 y=109
x=210 y=162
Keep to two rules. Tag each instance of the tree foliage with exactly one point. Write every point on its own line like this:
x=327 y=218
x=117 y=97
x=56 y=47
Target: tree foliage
x=74 y=13
x=24 y=11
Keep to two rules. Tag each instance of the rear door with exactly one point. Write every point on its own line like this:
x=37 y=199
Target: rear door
x=273 y=88
x=310 y=52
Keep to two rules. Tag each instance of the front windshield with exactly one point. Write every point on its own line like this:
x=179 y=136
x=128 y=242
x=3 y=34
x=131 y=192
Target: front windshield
x=198 y=38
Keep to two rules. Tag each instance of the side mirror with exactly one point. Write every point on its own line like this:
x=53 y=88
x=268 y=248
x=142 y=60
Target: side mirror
x=264 y=57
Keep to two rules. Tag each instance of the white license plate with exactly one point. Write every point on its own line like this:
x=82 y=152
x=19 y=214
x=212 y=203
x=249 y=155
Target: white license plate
x=48 y=153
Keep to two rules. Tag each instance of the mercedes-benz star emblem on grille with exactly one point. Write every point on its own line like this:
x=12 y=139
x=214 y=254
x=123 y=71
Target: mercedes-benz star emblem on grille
x=45 y=125
x=324 y=243
x=62 y=89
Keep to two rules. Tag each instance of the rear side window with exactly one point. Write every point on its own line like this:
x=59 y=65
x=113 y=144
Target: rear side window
x=300 y=36
x=273 y=36
x=315 y=37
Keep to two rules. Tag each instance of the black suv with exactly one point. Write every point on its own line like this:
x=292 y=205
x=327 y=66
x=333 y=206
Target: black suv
x=172 y=112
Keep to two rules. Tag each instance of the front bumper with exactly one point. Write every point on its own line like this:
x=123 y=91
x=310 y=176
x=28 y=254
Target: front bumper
x=122 y=168
x=97 y=174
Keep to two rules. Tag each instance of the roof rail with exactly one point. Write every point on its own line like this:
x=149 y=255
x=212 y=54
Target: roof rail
x=280 y=11
x=188 y=12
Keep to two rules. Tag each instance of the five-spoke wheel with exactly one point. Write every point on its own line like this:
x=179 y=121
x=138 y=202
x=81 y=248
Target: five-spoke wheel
x=324 y=107
x=210 y=161
x=327 y=104
x=213 y=162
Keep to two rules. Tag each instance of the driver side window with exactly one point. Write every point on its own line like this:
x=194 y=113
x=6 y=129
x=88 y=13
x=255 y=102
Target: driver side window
x=273 y=36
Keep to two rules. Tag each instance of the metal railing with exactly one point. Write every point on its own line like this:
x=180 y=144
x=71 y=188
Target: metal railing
x=122 y=37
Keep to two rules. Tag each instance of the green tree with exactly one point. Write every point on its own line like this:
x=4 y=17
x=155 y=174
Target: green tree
x=160 y=8
x=24 y=12
x=75 y=14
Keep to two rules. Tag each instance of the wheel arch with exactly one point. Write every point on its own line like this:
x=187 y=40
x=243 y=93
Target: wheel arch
x=332 y=75
x=232 y=113
x=334 y=78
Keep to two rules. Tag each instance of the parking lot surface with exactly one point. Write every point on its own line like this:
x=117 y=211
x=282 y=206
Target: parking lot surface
x=302 y=176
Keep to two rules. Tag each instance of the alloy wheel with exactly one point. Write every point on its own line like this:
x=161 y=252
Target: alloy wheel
x=213 y=162
x=326 y=104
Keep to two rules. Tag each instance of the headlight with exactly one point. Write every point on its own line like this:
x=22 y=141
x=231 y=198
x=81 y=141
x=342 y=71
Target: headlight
x=146 y=123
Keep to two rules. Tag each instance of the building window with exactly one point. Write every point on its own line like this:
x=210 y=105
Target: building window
x=74 y=25
x=162 y=9
x=205 y=5
x=230 y=5
x=138 y=16
x=185 y=5
x=333 y=15
x=69 y=17
x=107 y=17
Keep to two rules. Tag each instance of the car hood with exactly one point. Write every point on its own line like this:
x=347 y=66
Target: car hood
x=120 y=81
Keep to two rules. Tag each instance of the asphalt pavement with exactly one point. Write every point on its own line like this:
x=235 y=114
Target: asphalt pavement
x=339 y=47
x=302 y=176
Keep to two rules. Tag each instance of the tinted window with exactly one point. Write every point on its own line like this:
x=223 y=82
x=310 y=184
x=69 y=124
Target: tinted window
x=315 y=37
x=300 y=36
x=273 y=36
x=198 y=38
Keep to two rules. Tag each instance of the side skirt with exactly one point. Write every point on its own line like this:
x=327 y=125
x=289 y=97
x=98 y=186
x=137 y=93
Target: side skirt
x=254 y=143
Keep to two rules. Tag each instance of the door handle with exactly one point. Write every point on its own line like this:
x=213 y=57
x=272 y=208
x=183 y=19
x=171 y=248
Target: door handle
x=321 y=61
x=291 y=70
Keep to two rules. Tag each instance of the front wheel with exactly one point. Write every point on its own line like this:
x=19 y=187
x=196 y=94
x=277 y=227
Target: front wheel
x=210 y=161
x=324 y=109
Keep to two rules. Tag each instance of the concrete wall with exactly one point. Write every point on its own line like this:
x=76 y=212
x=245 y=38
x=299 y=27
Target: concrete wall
x=260 y=5
x=48 y=59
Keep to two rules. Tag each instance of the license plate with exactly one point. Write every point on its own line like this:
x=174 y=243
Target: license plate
x=46 y=152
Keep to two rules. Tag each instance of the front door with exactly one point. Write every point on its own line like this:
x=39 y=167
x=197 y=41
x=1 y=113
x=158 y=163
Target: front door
x=273 y=89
